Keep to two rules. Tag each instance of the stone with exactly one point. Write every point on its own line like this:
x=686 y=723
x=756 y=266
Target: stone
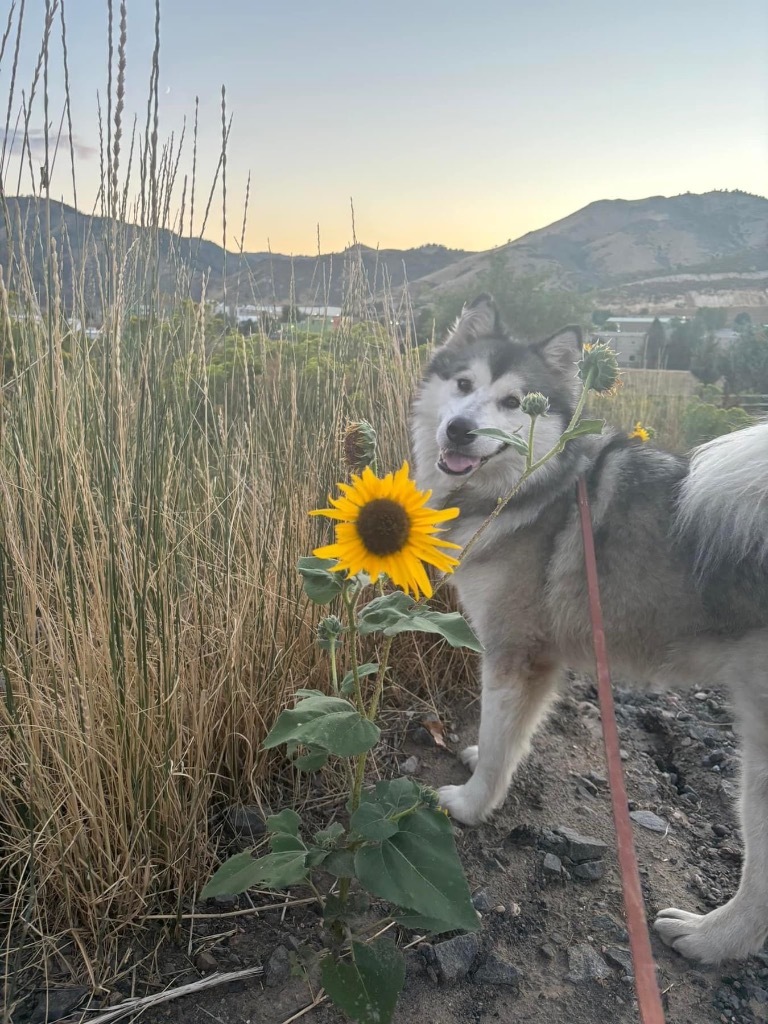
x=553 y=866
x=620 y=958
x=57 y=1003
x=206 y=962
x=497 y=971
x=586 y=964
x=245 y=821
x=410 y=766
x=482 y=901
x=581 y=848
x=589 y=870
x=278 y=968
x=454 y=957
x=649 y=820
x=607 y=925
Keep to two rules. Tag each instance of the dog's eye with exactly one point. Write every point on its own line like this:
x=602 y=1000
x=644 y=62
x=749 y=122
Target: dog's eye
x=510 y=402
x=464 y=384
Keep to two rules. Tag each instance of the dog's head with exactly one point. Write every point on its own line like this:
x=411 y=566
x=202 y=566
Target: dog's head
x=478 y=379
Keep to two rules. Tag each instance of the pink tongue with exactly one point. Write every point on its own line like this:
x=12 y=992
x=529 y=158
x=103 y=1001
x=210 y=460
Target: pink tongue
x=460 y=463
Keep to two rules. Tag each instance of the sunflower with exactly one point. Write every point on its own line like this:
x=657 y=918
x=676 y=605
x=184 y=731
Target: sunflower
x=384 y=526
x=640 y=432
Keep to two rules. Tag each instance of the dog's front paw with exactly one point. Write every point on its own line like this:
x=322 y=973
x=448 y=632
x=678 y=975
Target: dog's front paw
x=462 y=804
x=469 y=756
x=723 y=934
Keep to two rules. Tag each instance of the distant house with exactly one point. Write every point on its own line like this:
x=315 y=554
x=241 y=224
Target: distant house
x=628 y=335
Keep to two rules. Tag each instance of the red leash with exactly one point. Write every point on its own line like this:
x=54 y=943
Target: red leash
x=646 y=986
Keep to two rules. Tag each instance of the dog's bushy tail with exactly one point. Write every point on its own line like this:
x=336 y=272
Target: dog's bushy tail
x=723 y=505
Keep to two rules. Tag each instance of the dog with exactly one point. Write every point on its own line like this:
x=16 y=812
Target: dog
x=682 y=554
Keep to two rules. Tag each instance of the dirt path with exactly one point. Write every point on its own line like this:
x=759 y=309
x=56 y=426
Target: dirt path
x=552 y=947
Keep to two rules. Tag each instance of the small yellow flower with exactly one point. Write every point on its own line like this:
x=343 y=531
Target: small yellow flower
x=640 y=432
x=385 y=526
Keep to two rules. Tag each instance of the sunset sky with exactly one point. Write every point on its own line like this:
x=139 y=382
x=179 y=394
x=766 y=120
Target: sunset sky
x=443 y=122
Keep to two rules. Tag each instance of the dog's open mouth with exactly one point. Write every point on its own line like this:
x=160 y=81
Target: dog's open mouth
x=456 y=464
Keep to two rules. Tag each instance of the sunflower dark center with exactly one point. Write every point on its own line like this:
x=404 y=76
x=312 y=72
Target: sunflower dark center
x=383 y=526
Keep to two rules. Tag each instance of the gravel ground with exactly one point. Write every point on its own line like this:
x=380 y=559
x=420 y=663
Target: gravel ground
x=552 y=947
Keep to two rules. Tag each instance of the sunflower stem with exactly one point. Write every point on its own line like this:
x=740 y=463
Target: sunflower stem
x=529 y=470
x=350 y=605
x=334 y=666
x=529 y=455
x=373 y=707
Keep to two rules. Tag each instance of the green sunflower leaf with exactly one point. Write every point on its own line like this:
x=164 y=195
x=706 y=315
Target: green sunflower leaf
x=321 y=584
x=287 y=821
x=366 y=989
x=370 y=668
x=399 y=613
x=328 y=722
x=583 y=427
x=242 y=872
x=418 y=869
x=511 y=440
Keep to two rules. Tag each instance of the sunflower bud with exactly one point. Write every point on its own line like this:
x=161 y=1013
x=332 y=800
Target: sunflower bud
x=328 y=632
x=359 y=445
x=599 y=368
x=535 y=404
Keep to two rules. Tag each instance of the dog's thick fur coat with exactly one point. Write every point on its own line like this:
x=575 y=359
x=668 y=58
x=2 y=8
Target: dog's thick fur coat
x=682 y=551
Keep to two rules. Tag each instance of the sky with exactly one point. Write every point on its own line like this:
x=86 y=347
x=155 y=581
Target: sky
x=466 y=125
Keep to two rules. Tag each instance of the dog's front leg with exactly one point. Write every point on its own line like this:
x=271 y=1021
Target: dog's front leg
x=518 y=689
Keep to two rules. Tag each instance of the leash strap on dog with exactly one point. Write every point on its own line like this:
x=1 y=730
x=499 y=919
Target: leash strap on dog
x=646 y=985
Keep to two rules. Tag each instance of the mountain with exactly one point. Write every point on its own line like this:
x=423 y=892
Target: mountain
x=196 y=266
x=663 y=252
x=618 y=246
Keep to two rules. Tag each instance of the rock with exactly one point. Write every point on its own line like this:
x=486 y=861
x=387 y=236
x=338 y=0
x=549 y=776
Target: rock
x=620 y=958
x=553 y=866
x=624 y=755
x=411 y=766
x=482 y=901
x=581 y=848
x=415 y=966
x=607 y=925
x=701 y=695
x=423 y=737
x=589 y=870
x=225 y=902
x=649 y=820
x=586 y=964
x=497 y=971
x=278 y=967
x=523 y=835
x=57 y=1003
x=245 y=821
x=206 y=962
x=547 y=951
x=454 y=957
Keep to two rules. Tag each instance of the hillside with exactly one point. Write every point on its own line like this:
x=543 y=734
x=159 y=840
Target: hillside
x=190 y=266
x=612 y=243
x=663 y=254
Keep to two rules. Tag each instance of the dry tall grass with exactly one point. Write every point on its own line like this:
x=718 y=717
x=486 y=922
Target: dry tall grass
x=154 y=483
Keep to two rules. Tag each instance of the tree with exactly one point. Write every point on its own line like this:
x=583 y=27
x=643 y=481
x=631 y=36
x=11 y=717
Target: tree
x=706 y=360
x=742 y=321
x=655 y=343
x=745 y=367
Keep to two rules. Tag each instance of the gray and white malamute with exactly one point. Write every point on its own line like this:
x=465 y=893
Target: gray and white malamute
x=682 y=551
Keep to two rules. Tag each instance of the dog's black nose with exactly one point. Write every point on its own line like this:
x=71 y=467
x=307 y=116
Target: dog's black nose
x=458 y=431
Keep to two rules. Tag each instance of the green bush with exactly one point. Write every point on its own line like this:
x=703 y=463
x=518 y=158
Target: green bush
x=703 y=421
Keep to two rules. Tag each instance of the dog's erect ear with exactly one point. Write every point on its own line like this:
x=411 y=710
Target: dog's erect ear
x=564 y=348
x=479 y=319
